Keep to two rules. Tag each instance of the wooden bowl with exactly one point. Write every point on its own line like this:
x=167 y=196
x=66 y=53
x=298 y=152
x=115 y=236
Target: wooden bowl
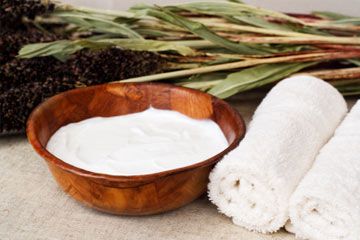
x=131 y=195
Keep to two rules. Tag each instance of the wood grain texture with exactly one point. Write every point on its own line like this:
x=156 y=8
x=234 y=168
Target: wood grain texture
x=131 y=195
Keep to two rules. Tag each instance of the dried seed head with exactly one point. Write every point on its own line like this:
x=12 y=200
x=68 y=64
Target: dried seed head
x=12 y=40
x=92 y=67
x=21 y=71
x=13 y=11
x=27 y=82
x=16 y=104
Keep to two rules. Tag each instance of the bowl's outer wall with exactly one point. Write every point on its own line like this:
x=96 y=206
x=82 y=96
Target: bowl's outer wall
x=162 y=194
x=131 y=195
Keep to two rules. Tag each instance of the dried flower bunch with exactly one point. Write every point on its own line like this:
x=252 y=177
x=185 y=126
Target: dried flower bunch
x=27 y=82
x=16 y=76
x=106 y=65
x=12 y=12
x=223 y=47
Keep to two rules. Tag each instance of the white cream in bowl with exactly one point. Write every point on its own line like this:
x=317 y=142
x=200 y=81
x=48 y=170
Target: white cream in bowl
x=135 y=144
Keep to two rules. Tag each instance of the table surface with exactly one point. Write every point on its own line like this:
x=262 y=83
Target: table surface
x=32 y=206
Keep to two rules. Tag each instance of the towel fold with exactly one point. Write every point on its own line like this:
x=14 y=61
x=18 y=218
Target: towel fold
x=254 y=182
x=326 y=204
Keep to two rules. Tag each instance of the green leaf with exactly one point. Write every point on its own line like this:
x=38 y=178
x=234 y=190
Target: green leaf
x=123 y=20
x=202 y=77
x=235 y=1
x=201 y=82
x=59 y=48
x=354 y=61
x=234 y=9
x=352 y=89
x=64 y=48
x=95 y=11
x=257 y=21
x=345 y=83
x=338 y=18
x=331 y=15
x=282 y=48
x=255 y=77
x=202 y=86
x=149 y=45
x=152 y=32
x=102 y=23
x=203 y=32
x=253 y=16
x=102 y=36
x=351 y=93
x=139 y=8
x=353 y=21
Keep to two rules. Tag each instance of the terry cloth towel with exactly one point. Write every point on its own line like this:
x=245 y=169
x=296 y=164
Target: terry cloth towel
x=254 y=182
x=326 y=204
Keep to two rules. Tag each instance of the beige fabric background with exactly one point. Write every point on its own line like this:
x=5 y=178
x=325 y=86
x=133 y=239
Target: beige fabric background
x=33 y=207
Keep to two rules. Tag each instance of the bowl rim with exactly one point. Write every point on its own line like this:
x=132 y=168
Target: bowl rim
x=50 y=158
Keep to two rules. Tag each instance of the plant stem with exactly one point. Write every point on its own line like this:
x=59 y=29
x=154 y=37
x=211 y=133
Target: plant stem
x=322 y=56
x=340 y=40
x=337 y=74
x=258 y=39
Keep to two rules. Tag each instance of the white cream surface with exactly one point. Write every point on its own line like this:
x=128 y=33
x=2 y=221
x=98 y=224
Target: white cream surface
x=140 y=143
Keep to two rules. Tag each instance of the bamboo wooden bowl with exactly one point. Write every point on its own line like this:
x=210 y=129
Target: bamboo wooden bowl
x=131 y=195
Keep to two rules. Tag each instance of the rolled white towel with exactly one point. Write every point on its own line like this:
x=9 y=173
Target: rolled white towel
x=326 y=204
x=253 y=183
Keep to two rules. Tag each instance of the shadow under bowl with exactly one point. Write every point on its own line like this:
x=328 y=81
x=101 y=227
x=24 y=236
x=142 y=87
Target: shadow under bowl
x=131 y=195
